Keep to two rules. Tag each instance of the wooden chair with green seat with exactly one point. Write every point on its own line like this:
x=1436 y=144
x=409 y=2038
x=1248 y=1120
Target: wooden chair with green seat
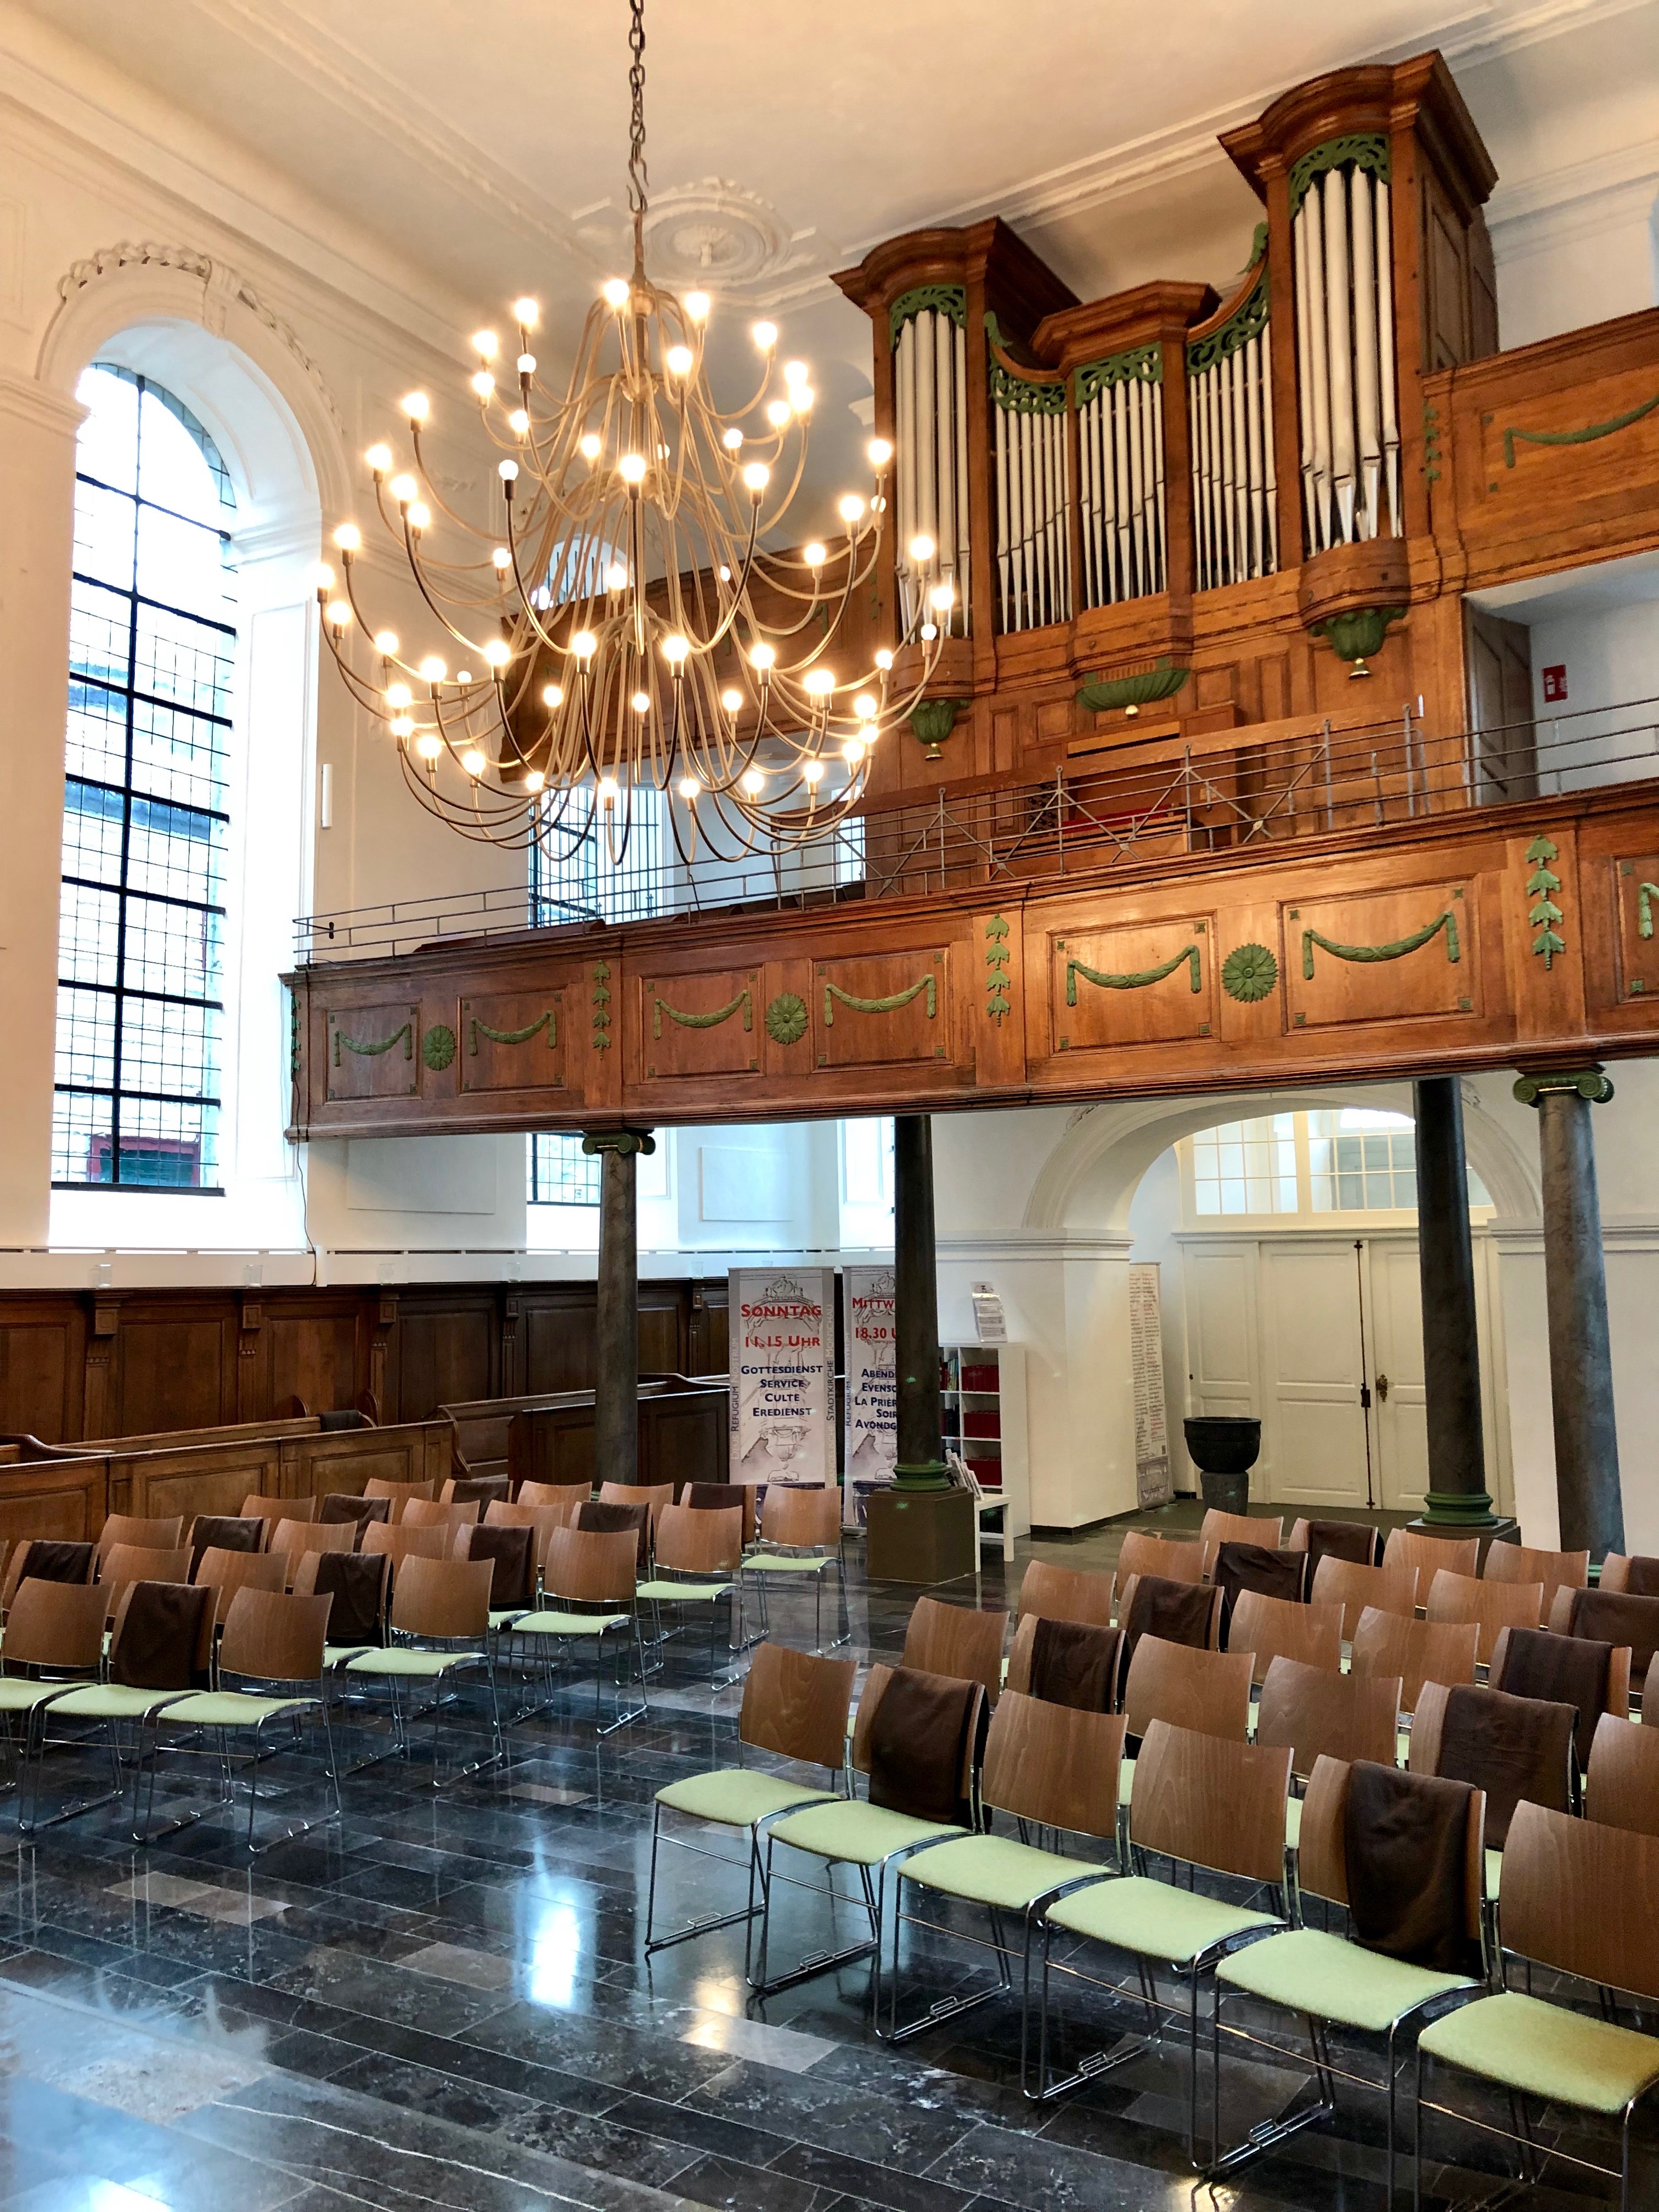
x=1409 y=1547
x=800 y=1534
x=1581 y=1897
x=1417 y=1651
x=291 y=1539
x=1356 y=1588
x=1210 y=1805
x=433 y=1513
x=1321 y=1713
x=1621 y=1788
x=957 y=1640
x=1174 y=1559
x=1092 y=1677
x=360 y=1584
x=1047 y=1766
x=1517 y=1562
x=123 y=1564
x=47 y=1559
x=399 y=1544
x=1065 y=1594
x=699 y=1564
x=871 y=1835
x=563 y=1495
x=1205 y=1691
x=544 y=1519
x=54 y=1643
x=589 y=1580
x=159 y=1532
x=1338 y=1981
x=794 y=1706
x=1219 y=1528
x=1274 y=1628
x=256 y=1506
x=653 y=1496
x=1492 y=1606
x=161 y=1648
x=439 y=1622
x=1141 y=1609
x=269 y=1671
x=399 y=1494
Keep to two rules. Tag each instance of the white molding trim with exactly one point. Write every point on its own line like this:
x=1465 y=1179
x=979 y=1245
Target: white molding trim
x=28 y=401
x=1576 y=202
x=1027 y=1245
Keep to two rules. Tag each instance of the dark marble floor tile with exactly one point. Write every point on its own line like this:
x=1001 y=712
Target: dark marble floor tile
x=1048 y=2176
x=726 y=2185
x=627 y=2058
x=424 y=2089
x=698 y=2130
x=354 y=1984
x=829 y=2114
x=598 y=2143
x=857 y=2180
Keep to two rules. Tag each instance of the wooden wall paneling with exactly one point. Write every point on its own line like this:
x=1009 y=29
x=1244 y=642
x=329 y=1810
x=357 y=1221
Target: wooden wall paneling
x=1549 y=986
x=201 y=1478
x=505 y=1042
x=560 y=1335
x=449 y=1350
x=173 y=1363
x=880 y=1009
x=683 y=1437
x=65 y=1499
x=371 y=1049
x=1620 y=920
x=664 y=1337
x=42 y=1349
x=1162 y=989
x=311 y=1351
x=707 y=1329
x=689 y=1023
x=1439 y=971
x=345 y=1460
x=553 y=1443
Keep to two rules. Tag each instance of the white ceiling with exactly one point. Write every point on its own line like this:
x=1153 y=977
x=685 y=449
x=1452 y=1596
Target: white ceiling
x=487 y=145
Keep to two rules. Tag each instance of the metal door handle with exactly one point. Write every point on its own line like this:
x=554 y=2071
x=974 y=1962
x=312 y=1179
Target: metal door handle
x=1383 y=1386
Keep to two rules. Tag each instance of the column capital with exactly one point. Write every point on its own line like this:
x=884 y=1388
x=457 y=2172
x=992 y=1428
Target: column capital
x=1590 y=1083
x=623 y=1142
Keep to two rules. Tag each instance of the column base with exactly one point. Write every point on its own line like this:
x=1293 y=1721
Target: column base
x=927 y=1475
x=921 y=1536
x=1453 y=1512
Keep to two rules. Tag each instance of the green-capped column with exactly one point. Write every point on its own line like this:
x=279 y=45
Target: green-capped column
x=1457 y=1497
x=617 y=1349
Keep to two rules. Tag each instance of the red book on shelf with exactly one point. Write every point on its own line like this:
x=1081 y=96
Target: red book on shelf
x=987 y=1473
x=981 y=1422
x=979 y=1377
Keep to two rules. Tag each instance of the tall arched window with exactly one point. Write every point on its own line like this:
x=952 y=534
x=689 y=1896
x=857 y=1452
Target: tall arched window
x=152 y=651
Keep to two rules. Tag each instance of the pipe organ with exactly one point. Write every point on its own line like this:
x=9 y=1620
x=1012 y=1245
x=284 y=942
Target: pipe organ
x=1219 y=493
x=928 y=332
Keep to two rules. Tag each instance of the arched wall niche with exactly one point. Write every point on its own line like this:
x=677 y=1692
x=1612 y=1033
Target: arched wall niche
x=1088 y=1183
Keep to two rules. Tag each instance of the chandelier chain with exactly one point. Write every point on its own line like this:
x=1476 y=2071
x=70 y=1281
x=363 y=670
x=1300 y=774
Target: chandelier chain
x=637 y=173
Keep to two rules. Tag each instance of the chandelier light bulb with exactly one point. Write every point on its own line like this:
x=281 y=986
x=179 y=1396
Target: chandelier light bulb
x=812 y=773
x=533 y=779
x=755 y=475
x=609 y=791
x=852 y=750
x=794 y=372
x=732 y=440
x=943 y=596
x=432 y=669
x=922 y=549
x=762 y=656
x=322 y=577
x=486 y=344
x=462 y=674
x=503 y=558
x=675 y=650
x=731 y=699
x=801 y=397
x=416 y=406
x=879 y=452
x=525 y=364
x=929 y=632
x=474 y=761
x=348 y=537
x=616 y=291
x=584 y=644
x=497 y=652
x=526 y=314
x=404 y=489
x=814 y=555
x=778 y=413
x=884 y=659
x=865 y=706
x=428 y=747
x=519 y=422
x=852 y=508
x=483 y=384
x=689 y=789
x=616 y=577
x=378 y=458
x=631 y=468
x=752 y=781
x=697 y=306
x=507 y=472
x=399 y=695
x=402 y=726
x=677 y=360
x=590 y=446
x=726 y=574
x=640 y=702
x=419 y=514
x=552 y=694
x=386 y=642
x=339 y=612
x=765 y=336
x=820 y=682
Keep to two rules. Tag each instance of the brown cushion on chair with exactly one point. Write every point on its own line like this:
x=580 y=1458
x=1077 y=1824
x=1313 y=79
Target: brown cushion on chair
x=50 y=1559
x=1177 y=1612
x=1405 y=1847
x=160 y=1636
x=513 y=1553
x=1641 y=1576
x=606 y=1519
x=1076 y=1665
x=1255 y=1567
x=356 y=1581
x=1569 y=1670
x=479 y=1489
x=1511 y=1748
x=1611 y=1617
x=344 y=1506
x=713 y=1496
x=1353 y=1540
x=224 y=1532
x=919 y=1746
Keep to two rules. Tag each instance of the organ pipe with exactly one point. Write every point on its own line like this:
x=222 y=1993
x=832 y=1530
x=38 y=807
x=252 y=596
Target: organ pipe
x=929 y=406
x=1229 y=413
x=1344 y=283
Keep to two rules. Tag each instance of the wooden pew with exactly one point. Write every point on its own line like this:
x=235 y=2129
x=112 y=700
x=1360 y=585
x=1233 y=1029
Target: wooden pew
x=682 y=1435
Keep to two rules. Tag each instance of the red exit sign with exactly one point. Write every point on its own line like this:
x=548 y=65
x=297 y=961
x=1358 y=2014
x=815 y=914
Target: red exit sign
x=1555 y=685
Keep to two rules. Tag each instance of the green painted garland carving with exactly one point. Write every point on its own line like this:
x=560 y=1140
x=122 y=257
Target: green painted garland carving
x=1645 y=895
x=710 y=1021
x=404 y=1036
x=785 y=1018
x=293 y=1037
x=997 y=1002
x=1543 y=913
x=1247 y=320
x=1584 y=437
x=887 y=1006
x=438 y=1047
x=1361 y=149
x=1143 y=365
x=1397 y=951
x=477 y=1028
x=1250 y=973
x=601 y=1002
x=949 y=299
x=1189 y=953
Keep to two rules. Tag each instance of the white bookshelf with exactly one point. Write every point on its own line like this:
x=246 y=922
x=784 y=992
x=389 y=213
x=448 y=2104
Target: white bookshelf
x=982 y=1403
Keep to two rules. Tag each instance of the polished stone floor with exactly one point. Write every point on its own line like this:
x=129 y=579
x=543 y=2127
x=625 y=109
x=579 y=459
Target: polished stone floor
x=446 y=2003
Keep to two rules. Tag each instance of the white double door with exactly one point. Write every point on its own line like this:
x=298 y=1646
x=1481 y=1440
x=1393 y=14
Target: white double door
x=1322 y=1338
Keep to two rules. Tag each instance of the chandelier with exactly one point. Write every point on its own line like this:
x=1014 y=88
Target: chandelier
x=622 y=624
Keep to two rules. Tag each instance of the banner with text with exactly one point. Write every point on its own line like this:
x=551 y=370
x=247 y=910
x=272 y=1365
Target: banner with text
x=869 y=1312
x=782 y=1358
